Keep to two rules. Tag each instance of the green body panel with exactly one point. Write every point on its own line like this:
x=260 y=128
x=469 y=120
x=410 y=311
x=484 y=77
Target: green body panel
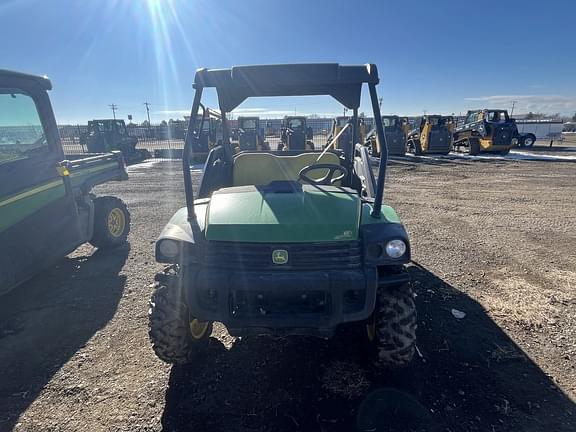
x=16 y=207
x=313 y=215
x=388 y=215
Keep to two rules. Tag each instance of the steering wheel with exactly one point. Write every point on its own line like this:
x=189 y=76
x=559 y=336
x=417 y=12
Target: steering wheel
x=328 y=179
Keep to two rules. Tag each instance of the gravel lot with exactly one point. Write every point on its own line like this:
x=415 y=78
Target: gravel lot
x=494 y=238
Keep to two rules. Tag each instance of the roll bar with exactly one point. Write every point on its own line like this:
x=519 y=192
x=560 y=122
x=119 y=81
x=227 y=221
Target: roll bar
x=233 y=86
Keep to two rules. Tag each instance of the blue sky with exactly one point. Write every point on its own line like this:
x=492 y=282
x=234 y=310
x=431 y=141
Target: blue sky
x=440 y=56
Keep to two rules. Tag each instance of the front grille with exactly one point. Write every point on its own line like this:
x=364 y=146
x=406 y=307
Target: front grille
x=309 y=256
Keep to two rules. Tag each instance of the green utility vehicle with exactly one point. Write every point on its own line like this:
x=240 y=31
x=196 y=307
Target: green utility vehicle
x=46 y=206
x=284 y=242
x=110 y=134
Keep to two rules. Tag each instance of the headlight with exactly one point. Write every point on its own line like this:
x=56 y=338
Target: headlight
x=169 y=248
x=514 y=141
x=395 y=248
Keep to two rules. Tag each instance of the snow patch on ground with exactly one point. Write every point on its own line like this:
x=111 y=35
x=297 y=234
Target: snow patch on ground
x=513 y=155
x=149 y=163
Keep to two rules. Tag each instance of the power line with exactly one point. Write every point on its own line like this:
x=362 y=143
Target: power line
x=113 y=107
x=147 y=105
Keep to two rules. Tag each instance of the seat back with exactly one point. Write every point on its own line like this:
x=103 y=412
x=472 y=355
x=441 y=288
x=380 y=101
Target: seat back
x=263 y=168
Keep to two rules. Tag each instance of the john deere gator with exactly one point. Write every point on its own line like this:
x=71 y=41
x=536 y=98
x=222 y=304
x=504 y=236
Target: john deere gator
x=47 y=208
x=294 y=242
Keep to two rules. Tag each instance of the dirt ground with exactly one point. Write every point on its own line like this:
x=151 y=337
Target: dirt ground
x=495 y=239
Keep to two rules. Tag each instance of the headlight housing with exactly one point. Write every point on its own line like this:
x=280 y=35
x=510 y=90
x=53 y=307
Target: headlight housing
x=169 y=249
x=395 y=248
x=390 y=250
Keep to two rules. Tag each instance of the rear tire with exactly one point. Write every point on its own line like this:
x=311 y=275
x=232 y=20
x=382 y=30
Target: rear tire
x=393 y=327
x=111 y=222
x=170 y=327
x=528 y=140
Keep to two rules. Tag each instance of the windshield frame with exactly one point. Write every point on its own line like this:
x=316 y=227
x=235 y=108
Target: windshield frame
x=41 y=101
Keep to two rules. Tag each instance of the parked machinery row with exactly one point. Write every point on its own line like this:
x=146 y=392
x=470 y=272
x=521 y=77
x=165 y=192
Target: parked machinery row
x=482 y=131
x=486 y=130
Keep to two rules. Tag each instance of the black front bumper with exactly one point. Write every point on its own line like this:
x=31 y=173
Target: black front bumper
x=286 y=302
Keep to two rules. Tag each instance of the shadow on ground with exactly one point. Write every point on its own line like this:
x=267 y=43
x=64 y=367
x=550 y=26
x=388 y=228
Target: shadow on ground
x=46 y=320
x=470 y=377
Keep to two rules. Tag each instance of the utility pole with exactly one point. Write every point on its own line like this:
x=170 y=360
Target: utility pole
x=113 y=107
x=513 y=105
x=424 y=111
x=147 y=105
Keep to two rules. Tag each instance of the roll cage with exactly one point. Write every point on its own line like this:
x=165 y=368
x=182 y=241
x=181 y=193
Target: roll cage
x=233 y=86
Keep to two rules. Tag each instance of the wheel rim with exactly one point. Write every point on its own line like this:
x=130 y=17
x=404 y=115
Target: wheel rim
x=528 y=142
x=198 y=328
x=116 y=222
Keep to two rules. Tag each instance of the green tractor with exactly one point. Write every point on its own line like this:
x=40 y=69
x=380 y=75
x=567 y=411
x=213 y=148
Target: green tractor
x=47 y=204
x=295 y=135
x=110 y=134
x=292 y=242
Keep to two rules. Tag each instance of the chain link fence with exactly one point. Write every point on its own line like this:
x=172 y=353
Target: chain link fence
x=170 y=136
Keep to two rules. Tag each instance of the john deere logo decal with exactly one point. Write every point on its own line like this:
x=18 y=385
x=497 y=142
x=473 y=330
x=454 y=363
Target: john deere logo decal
x=280 y=256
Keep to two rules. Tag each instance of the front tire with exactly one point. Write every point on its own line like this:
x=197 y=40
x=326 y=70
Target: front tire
x=176 y=336
x=473 y=146
x=392 y=327
x=418 y=148
x=111 y=222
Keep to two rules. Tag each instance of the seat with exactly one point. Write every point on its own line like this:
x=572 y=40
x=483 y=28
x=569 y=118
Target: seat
x=263 y=168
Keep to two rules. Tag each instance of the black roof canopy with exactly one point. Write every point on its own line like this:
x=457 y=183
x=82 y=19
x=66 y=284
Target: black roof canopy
x=8 y=76
x=343 y=83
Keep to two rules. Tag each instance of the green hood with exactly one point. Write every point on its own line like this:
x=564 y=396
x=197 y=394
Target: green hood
x=313 y=214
